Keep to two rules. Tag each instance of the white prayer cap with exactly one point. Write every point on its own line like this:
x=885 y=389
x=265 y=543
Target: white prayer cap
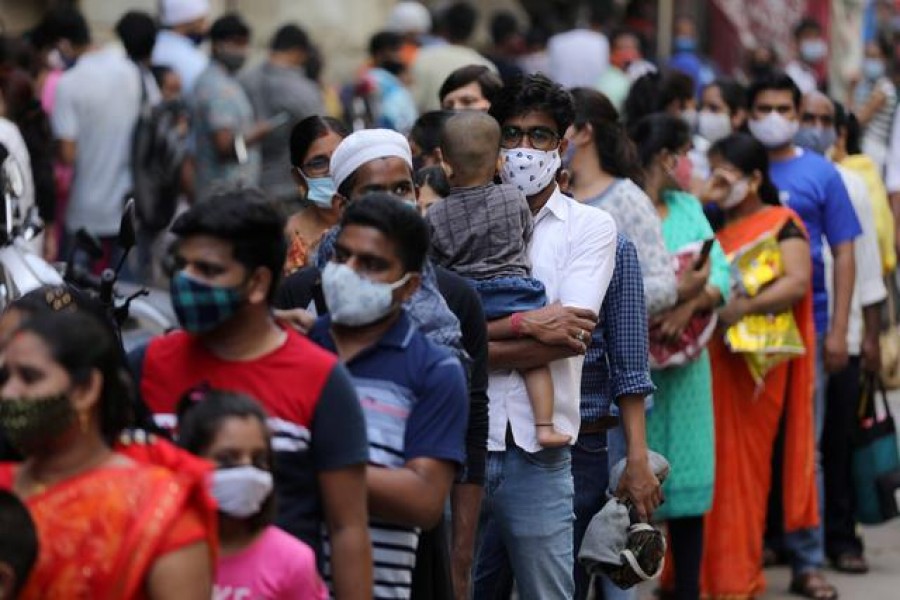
x=178 y=12
x=365 y=145
x=409 y=17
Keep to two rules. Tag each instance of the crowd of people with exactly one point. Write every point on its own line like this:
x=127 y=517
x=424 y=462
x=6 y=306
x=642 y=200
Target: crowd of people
x=433 y=325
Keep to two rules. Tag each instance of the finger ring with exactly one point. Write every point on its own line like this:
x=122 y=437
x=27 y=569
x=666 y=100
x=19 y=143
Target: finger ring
x=580 y=335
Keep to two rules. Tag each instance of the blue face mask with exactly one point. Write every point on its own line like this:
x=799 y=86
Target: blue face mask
x=201 y=307
x=873 y=68
x=321 y=190
x=685 y=44
x=817 y=139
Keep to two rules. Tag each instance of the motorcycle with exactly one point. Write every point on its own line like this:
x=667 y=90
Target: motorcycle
x=137 y=312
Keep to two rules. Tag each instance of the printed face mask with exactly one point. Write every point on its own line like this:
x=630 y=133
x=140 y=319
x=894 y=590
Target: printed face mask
x=321 y=190
x=241 y=491
x=354 y=300
x=31 y=424
x=528 y=169
x=201 y=307
x=713 y=126
x=773 y=130
x=817 y=139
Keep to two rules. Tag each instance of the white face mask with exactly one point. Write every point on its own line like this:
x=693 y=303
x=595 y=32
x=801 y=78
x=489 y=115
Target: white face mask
x=737 y=194
x=354 y=300
x=689 y=116
x=241 y=491
x=713 y=126
x=773 y=130
x=528 y=169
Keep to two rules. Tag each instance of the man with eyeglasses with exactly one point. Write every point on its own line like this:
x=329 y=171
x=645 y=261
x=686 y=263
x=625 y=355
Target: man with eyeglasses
x=812 y=187
x=527 y=517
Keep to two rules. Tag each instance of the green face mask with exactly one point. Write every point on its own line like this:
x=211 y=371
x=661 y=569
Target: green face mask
x=32 y=423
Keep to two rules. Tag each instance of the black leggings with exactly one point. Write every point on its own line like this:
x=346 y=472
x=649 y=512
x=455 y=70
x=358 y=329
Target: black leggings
x=686 y=536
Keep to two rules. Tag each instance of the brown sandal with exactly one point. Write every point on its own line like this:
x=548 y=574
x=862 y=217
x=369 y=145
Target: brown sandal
x=851 y=563
x=813 y=585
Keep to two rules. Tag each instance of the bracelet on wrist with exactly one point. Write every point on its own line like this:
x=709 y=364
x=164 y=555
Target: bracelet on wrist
x=515 y=324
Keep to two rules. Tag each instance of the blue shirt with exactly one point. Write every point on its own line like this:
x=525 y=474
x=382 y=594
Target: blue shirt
x=414 y=398
x=616 y=361
x=813 y=188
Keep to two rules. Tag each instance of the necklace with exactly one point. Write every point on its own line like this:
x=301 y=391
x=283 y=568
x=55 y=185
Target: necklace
x=34 y=485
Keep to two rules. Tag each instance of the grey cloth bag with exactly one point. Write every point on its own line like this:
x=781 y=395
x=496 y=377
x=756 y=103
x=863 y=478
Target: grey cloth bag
x=615 y=546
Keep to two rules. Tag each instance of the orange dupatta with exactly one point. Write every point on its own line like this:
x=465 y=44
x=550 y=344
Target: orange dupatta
x=100 y=532
x=746 y=422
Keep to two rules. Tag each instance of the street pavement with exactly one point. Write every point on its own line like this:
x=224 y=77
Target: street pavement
x=882 y=551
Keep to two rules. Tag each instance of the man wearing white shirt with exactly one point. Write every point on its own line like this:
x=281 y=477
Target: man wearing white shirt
x=527 y=516
x=579 y=57
x=184 y=23
x=97 y=105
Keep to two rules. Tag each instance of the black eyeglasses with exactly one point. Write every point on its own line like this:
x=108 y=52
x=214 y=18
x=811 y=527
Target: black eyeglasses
x=317 y=166
x=541 y=138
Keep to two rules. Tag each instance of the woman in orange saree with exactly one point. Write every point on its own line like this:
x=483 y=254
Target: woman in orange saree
x=747 y=415
x=112 y=523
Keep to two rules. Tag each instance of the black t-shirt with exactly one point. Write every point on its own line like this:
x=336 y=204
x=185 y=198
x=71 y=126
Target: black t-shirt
x=303 y=288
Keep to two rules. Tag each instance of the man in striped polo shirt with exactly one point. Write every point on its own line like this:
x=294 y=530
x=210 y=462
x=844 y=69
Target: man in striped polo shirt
x=412 y=391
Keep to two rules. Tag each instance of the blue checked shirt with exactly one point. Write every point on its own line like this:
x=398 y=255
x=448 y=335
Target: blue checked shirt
x=616 y=362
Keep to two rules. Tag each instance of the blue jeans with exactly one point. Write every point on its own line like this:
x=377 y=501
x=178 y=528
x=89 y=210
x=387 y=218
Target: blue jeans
x=526 y=526
x=807 y=546
x=503 y=296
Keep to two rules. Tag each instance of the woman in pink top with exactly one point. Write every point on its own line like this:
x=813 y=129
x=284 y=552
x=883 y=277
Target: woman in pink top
x=257 y=561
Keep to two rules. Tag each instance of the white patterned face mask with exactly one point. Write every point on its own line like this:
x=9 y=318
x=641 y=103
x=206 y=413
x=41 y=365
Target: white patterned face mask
x=528 y=169
x=354 y=300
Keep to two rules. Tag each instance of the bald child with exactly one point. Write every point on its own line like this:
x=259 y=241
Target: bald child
x=481 y=231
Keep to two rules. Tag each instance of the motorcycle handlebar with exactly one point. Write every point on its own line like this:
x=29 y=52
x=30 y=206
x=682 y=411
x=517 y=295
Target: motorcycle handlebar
x=83 y=278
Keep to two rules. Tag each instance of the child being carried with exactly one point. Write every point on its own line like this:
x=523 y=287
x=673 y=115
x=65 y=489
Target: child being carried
x=481 y=231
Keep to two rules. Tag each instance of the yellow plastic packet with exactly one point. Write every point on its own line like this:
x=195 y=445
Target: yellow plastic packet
x=765 y=341
x=757 y=265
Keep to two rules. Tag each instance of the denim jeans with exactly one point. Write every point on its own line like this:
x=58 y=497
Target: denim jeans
x=807 y=546
x=526 y=526
x=502 y=296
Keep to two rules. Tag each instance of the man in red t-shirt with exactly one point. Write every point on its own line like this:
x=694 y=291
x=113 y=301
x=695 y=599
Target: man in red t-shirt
x=229 y=255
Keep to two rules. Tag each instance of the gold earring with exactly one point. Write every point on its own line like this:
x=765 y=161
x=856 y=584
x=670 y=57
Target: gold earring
x=83 y=421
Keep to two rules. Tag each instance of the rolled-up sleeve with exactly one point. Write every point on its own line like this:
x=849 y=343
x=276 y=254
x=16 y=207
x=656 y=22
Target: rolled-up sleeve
x=625 y=320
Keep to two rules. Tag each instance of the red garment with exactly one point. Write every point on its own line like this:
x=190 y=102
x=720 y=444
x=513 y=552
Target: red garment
x=101 y=532
x=288 y=381
x=746 y=422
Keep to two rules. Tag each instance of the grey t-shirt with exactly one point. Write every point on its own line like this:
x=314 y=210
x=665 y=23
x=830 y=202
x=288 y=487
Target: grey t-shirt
x=274 y=89
x=97 y=106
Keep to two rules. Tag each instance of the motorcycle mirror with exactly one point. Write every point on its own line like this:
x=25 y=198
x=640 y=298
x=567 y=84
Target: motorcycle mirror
x=127 y=231
x=89 y=243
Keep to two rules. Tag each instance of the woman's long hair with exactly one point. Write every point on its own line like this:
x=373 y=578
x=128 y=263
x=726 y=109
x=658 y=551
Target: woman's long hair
x=617 y=153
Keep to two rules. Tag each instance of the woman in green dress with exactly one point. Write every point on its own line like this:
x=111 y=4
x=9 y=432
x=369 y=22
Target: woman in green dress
x=680 y=426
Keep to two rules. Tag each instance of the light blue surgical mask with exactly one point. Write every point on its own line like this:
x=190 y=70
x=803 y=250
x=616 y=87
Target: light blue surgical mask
x=321 y=190
x=873 y=68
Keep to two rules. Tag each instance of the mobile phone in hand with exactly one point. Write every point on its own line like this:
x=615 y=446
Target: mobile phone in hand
x=704 y=254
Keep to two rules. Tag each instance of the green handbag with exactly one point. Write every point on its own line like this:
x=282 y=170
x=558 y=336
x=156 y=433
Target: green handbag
x=876 y=462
